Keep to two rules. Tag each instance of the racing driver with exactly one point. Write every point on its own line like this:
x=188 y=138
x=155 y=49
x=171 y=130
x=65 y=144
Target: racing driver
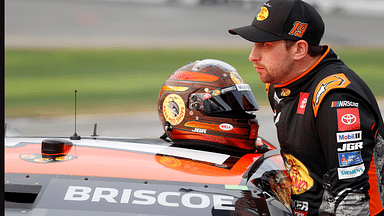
x=328 y=122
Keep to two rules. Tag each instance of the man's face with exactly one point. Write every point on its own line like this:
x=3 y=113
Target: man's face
x=272 y=61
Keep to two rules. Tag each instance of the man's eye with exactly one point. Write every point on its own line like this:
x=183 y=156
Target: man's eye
x=265 y=44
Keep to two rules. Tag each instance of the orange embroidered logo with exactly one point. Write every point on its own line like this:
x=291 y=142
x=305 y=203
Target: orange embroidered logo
x=298 y=29
x=331 y=82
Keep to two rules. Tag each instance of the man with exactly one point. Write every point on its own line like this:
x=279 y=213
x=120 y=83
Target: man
x=328 y=122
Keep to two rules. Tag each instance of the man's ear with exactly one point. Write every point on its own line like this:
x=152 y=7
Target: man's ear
x=300 y=49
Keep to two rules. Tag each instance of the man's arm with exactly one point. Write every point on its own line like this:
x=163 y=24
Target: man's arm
x=345 y=124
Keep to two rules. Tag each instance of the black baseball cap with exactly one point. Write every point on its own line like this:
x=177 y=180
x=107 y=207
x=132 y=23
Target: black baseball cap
x=284 y=19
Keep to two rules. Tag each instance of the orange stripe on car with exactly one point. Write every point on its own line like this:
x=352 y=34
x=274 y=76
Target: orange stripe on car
x=111 y=163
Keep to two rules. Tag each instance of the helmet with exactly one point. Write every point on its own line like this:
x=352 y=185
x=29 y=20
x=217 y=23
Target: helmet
x=207 y=105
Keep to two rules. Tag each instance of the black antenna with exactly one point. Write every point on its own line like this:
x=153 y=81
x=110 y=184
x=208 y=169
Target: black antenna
x=75 y=136
x=94 y=130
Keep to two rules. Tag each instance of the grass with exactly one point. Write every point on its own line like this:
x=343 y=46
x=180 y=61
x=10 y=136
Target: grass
x=42 y=82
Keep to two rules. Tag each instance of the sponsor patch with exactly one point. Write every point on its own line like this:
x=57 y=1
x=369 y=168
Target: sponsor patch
x=348 y=119
x=300 y=213
x=206 y=95
x=350 y=158
x=302 y=103
x=301 y=180
x=174 y=109
x=228 y=89
x=351 y=146
x=263 y=14
x=243 y=87
x=226 y=127
x=351 y=172
x=285 y=92
x=215 y=92
x=344 y=104
x=236 y=78
x=348 y=136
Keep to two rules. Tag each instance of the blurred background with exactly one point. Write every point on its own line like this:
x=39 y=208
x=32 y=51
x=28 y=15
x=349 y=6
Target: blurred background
x=159 y=23
x=118 y=53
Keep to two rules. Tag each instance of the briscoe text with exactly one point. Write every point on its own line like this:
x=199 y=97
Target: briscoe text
x=148 y=197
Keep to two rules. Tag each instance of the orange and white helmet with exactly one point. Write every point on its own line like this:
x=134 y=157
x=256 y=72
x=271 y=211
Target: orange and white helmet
x=207 y=105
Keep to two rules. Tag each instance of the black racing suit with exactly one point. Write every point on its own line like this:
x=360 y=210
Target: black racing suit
x=331 y=133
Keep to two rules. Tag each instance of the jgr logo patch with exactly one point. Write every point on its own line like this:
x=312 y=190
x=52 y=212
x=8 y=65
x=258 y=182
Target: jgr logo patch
x=199 y=130
x=348 y=136
x=350 y=147
x=350 y=158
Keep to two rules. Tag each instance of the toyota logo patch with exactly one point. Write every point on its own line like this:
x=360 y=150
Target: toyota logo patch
x=348 y=119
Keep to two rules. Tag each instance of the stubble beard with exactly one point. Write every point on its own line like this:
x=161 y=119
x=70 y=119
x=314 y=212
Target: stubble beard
x=280 y=75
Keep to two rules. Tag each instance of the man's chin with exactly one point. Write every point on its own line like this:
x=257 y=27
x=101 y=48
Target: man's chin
x=264 y=79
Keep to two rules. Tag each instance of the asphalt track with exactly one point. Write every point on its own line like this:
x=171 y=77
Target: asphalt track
x=105 y=24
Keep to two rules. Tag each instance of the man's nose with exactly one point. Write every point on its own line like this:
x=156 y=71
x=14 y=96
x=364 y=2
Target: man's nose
x=254 y=55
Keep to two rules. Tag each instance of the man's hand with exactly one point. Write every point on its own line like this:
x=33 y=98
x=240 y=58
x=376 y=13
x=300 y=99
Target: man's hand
x=260 y=146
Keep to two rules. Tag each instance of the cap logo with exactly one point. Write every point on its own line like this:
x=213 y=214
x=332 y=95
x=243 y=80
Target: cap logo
x=263 y=14
x=267 y=4
x=298 y=29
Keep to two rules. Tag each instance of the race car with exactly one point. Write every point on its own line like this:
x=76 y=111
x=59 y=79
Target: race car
x=210 y=160
x=108 y=176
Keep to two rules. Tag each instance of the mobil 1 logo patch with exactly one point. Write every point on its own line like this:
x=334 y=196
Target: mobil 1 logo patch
x=350 y=136
x=135 y=198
